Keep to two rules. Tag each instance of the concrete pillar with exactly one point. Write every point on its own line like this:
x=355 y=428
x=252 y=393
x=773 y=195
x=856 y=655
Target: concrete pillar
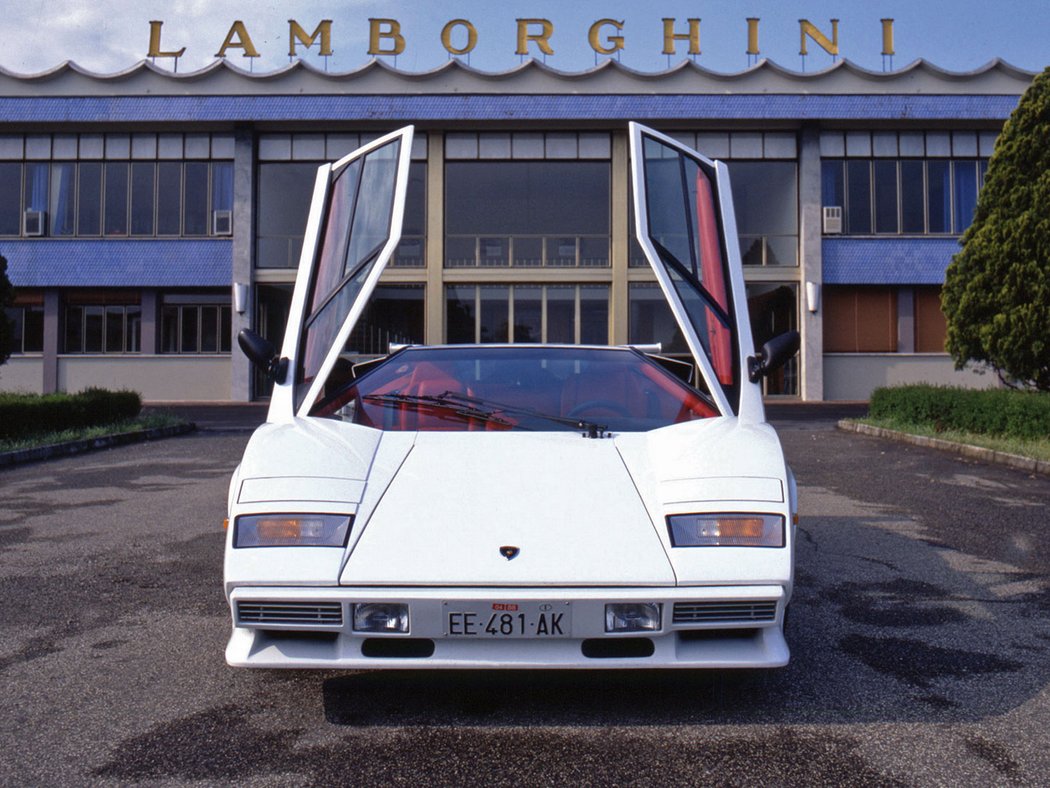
x=150 y=327
x=52 y=321
x=619 y=308
x=243 y=255
x=811 y=373
x=434 y=303
x=906 y=320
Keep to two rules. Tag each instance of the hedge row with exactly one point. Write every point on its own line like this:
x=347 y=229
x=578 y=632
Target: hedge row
x=1016 y=414
x=27 y=414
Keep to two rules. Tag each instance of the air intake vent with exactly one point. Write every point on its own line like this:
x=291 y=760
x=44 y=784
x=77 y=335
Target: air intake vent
x=305 y=614
x=725 y=612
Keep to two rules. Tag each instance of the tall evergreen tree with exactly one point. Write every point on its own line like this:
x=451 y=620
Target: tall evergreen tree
x=996 y=294
x=7 y=298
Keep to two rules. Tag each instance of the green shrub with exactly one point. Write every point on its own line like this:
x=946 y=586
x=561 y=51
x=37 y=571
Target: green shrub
x=1018 y=414
x=25 y=414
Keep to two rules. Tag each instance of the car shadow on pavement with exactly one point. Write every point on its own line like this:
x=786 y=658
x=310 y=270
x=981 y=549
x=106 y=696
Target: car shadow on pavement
x=884 y=626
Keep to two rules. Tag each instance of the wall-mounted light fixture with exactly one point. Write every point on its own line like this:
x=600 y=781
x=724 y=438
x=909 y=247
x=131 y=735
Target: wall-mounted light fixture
x=240 y=297
x=813 y=296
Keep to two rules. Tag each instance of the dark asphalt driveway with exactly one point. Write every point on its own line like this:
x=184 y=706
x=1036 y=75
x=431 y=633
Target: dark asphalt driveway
x=919 y=632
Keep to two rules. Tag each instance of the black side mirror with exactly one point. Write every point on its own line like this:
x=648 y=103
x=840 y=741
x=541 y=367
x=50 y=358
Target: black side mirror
x=773 y=355
x=263 y=354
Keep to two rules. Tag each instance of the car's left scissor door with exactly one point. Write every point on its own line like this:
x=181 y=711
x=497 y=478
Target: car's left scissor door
x=353 y=229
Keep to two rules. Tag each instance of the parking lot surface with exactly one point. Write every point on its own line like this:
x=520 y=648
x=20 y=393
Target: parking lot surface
x=919 y=634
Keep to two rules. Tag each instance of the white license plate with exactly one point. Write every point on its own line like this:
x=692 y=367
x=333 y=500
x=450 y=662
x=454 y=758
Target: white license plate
x=507 y=619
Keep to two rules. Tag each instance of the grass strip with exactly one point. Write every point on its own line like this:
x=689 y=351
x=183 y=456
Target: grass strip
x=1035 y=448
x=140 y=424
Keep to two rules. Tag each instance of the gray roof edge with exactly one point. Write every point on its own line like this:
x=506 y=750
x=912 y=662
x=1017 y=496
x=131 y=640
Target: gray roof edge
x=222 y=78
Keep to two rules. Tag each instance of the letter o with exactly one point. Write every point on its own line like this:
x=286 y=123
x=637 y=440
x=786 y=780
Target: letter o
x=446 y=37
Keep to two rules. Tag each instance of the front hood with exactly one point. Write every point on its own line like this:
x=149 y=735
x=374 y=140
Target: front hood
x=566 y=502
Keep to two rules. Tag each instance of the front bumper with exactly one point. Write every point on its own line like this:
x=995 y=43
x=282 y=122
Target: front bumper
x=701 y=627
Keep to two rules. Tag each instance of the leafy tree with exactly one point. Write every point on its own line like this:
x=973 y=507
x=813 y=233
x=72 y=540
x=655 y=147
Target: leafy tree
x=996 y=294
x=7 y=298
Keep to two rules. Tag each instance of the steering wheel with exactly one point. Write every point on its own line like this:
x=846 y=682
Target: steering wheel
x=598 y=404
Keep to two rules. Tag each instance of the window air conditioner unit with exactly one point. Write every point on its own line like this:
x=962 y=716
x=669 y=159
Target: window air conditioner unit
x=33 y=223
x=832 y=220
x=222 y=222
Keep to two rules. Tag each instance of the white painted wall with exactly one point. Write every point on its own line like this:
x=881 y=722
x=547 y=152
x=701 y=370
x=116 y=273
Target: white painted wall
x=853 y=376
x=23 y=374
x=162 y=377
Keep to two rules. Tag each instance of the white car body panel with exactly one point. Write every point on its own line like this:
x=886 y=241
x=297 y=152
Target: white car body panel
x=568 y=503
x=433 y=511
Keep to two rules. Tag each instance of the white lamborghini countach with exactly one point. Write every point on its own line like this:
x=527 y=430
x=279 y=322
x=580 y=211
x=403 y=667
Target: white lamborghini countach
x=514 y=505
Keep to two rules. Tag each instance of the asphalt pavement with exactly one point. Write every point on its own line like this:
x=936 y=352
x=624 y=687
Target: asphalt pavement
x=919 y=635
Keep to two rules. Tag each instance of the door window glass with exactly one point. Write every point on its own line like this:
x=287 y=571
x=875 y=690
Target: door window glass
x=685 y=230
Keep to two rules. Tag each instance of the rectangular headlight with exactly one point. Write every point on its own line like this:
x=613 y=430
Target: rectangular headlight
x=292 y=530
x=632 y=617
x=726 y=530
x=380 y=617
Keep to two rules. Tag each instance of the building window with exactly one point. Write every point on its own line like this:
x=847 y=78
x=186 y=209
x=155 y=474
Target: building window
x=62 y=219
x=765 y=201
x=860 y=319
x=102 y=328
x=411 y=252
x=393 y=316
x=773 y=307
x=27 y=321
x=885 y=203
x=195 y=198
x=10 y=198
x=558 y=314
x=113 y=199
x=527 y=214
x=116 y=199
x=285 y=191
x=650 y=320
x=143 y=197
x=272 y=305
x=910 y=196
x=169 y=198
x=192 y=324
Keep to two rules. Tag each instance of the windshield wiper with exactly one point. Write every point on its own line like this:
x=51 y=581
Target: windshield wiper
x=589 y=429
x=467 y=407
x=439 y=402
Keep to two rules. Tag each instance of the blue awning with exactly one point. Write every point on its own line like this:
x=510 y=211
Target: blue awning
x=886 y=261
x=106 y=262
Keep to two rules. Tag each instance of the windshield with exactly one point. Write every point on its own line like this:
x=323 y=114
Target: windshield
x=520 y=388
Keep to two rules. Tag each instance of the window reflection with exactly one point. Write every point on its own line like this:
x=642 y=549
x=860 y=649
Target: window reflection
x=765 y=202
x=89 y=199
x=102 y=328
x=116 y=206
x=63 y=198
x=527 y=213
x=195 y=323
x=114 y=198
x=555 y=314
x=911 y=196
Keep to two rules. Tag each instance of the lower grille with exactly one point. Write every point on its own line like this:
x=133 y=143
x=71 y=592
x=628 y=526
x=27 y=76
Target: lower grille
x=329 y=614
x=725 y=612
